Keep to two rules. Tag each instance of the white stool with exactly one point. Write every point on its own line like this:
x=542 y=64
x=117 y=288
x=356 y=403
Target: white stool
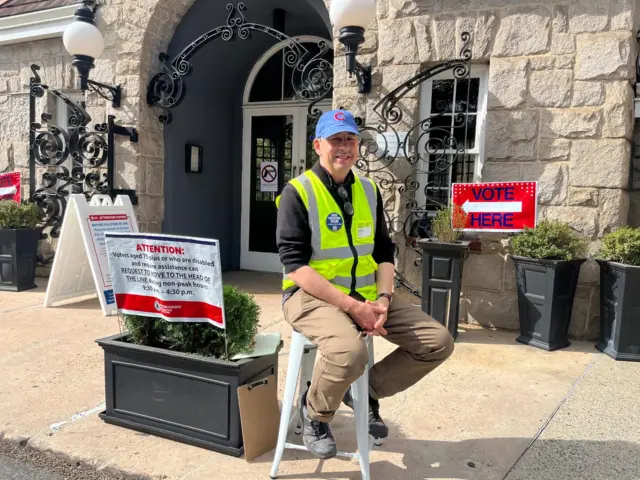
x=303 y=353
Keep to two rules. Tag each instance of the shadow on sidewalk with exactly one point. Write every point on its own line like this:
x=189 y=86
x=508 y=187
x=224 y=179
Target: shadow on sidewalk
x=487 y=336
x=482 y=459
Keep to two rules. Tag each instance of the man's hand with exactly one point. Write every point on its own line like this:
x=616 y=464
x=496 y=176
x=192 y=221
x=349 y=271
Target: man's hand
x=378 y=328
x=367 y=314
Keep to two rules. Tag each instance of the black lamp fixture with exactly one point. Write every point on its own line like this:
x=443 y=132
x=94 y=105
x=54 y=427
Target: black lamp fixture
x=85 y=43
x=351 y=17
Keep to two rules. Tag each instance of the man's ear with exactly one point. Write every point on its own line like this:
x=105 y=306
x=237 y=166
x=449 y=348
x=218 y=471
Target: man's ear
x=316 y=145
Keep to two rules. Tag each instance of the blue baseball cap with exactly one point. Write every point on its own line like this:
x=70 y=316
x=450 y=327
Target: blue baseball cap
x=336 y=121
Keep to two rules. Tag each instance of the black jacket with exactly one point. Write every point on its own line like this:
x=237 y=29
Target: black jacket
x=293 y=234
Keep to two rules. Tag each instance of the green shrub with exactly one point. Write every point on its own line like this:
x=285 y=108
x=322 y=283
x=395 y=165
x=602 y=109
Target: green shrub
x=242 y=317
x=622 y=246
x=550 y=240
x=19 y=215
x=445 y=223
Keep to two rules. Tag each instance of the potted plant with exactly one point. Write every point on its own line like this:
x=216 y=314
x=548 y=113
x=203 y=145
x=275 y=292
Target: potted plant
x=548 y=261
x=619 y=260
x=172 y=380
x=19 y=236
x=442 y=260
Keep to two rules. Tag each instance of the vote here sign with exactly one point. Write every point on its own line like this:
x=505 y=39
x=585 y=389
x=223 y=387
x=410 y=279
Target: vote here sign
x=497 y=207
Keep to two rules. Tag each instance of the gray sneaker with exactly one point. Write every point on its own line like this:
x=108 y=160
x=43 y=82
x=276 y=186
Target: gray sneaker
x=317 y=436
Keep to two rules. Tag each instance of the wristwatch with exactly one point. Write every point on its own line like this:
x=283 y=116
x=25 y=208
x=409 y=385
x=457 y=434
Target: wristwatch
x=385 y=295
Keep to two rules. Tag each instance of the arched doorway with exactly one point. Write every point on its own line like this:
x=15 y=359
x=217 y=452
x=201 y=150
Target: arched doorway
x=278 y=129
x=215 y=53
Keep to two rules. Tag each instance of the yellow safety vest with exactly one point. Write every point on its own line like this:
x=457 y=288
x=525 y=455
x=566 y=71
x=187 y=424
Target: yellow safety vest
x=333 y=255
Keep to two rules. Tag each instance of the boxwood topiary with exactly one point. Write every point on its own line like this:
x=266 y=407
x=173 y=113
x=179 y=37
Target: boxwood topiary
x=621 y=246
x=242 y=317
x=550 y=240
x=19 y=215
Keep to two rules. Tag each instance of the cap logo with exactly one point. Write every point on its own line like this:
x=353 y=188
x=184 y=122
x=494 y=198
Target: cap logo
x=339 y=116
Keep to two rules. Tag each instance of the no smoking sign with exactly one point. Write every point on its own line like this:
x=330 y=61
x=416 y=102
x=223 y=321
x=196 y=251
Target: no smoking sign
x=269 y=176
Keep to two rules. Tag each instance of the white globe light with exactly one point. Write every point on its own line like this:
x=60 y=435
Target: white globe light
x=82 y=38
x=352 y=13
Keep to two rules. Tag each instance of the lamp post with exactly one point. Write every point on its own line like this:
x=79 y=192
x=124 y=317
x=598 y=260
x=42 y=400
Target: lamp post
x=351 y=18
x=85 y=43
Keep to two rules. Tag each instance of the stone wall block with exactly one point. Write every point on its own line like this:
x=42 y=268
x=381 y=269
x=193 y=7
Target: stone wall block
x=446 y=38
x=493 y=309
x=557 y=149
x=507 y=83
x=619 y=93
x=563 y=43
x=425 y=39
x=130 y=172
x=459 y=5
x=382 y=9
x=588 y=15
x=500 y=171
x=599 y=163
x=592 y=332
x=397 y=40
x=155 y=178
x=552 y=178
x=395 y=75
x=150 y=208
x=588 y=94
x=622 y=14
x=583 y=219
x=570 y=123
x=542 y=62
x=618 y=122
x=604 y=56
x=580 y=312
x=551 y=89
x=523 y=31
x=589 y=273
x=512 y=135
x=411 y=8
x=509 y=282
x=587 y=197
x=634 y=209
x=37 y=50
x=560 y=19
x=486 y=29
x=483 y=271
x=564 y=62
x=614 y=210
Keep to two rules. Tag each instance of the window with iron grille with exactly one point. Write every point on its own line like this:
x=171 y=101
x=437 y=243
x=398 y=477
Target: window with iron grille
x=452 y=149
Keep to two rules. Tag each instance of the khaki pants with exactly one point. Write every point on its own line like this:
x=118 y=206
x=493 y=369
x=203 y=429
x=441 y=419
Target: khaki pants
x=423 y=344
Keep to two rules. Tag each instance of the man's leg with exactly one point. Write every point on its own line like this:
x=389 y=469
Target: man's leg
x=423 y=344
x=343 y=358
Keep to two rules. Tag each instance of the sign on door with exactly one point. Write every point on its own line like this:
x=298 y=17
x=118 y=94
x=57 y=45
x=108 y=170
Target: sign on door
x=269 y=176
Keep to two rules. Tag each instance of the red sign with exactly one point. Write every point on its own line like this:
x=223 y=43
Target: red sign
x=10 y=186
x=497 y=207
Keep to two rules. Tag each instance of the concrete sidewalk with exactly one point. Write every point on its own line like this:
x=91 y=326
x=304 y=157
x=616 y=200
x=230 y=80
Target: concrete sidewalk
x=473 y=418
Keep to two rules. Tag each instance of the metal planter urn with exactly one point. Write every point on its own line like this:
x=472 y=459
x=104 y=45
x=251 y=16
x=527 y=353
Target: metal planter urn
x=546 y=291
x=184 y=397
x=619 y=310
x=442 y=265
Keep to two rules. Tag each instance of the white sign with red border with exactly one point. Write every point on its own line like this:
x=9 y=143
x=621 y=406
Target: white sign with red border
x=269 y=176
x=172 y=277
x=80 y=266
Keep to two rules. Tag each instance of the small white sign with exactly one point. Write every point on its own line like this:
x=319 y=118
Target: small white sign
x=269 y=176
x=175 y=278
x=80 y=266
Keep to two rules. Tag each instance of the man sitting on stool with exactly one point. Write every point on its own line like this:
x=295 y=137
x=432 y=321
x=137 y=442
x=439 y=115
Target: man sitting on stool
x=338 y=263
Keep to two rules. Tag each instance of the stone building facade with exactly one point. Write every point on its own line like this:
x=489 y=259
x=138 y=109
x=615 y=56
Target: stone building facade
x=558 y=108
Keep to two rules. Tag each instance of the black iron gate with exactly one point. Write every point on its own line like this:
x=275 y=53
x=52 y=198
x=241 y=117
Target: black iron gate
x=434 y=147
x=69 y=159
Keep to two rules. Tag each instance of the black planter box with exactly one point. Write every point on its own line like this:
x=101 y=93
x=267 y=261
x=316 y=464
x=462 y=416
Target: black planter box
x=619 y=311
x=442 y=281
x=187 y=398
x=18 y=255
x=546 y=290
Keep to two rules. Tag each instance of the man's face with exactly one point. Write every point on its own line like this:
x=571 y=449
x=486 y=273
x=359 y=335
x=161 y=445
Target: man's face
x=339 y=151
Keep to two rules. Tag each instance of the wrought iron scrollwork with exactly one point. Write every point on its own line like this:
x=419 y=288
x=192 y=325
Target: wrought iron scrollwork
x=76 y=159
x=429 y=149
x=312 y=75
